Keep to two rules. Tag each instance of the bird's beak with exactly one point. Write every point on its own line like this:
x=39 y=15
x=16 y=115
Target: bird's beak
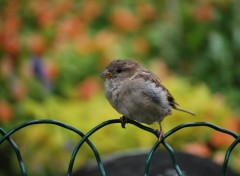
x=106 y=74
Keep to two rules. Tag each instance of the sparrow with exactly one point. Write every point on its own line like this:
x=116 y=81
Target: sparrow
x=137 y=94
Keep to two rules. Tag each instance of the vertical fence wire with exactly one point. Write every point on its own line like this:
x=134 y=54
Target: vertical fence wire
x=85 y=138
x=54 y=122
x=17 y=152
x=231 y=147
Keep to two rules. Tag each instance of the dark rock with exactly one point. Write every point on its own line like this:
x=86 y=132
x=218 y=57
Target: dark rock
x=133 y=164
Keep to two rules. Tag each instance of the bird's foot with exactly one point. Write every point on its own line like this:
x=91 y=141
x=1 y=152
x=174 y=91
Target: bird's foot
x=160 y=134
x=123 y=121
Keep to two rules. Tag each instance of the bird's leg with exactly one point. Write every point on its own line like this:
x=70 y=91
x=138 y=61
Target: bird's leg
x=123 y=121
x=160 y=132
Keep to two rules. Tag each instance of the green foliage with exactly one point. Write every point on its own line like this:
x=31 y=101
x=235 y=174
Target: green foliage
x=73 y=69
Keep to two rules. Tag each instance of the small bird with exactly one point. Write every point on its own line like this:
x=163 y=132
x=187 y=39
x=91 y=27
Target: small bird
x=137 y=93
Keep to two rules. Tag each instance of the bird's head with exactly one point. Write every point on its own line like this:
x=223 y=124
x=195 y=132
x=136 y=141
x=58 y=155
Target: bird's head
x=120 y=69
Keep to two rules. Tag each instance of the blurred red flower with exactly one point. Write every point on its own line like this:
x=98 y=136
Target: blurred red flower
x=11 y=45
x=11 y=25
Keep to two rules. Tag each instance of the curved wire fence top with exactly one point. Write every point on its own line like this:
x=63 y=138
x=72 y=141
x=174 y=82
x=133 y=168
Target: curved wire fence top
x=84 y=139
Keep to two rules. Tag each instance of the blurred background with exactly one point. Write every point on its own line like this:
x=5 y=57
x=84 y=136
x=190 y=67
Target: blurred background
x=52 y=53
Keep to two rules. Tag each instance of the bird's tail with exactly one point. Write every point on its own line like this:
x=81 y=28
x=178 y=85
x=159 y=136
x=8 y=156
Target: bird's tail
x=183 y=110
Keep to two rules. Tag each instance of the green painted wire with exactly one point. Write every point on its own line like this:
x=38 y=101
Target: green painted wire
x=193 y=124
x=78 y=146
x=80 y=143
x=172 y=154
x=232 y=146
x=168 y=147
x=17 y=151
x=103 y=124
x=173 y=157
x=33 y=122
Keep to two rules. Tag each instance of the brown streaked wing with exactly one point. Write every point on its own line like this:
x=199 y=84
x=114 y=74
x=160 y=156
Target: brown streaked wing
x=149 y=76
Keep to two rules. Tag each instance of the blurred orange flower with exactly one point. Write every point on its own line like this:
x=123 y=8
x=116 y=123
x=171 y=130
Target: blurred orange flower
x=204 y=13
x=64 y=6
x=91 y=10
x=84 y=44
x=124 y=20
x=37 y=44
x=88 y=88
x=52 y=71
x=141 y=45
x=70 y=28
x=146 y=11
x=6 y=113
x=219 y=140
x=219 y=157
x=197 y=148
x=19 y=91
x=224 y=140
x=46 y=14
x=108 y=37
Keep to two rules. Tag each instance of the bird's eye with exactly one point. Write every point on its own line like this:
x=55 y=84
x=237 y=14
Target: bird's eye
x=119 y=70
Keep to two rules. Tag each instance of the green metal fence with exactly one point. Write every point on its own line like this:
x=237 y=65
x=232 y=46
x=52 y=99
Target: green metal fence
x=84 y=139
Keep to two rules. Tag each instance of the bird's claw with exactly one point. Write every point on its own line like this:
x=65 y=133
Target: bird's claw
x=160 y=134
x=123 y=121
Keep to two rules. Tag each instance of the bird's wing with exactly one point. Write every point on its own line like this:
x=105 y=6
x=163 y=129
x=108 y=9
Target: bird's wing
x=149 y=76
